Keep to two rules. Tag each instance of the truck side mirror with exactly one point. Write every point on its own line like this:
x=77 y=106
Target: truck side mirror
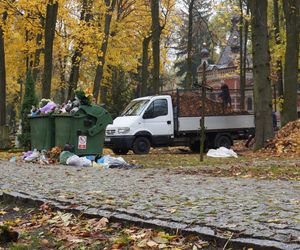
x=148 y=114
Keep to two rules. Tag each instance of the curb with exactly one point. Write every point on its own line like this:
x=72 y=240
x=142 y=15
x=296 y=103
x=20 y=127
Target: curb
x=204 y=232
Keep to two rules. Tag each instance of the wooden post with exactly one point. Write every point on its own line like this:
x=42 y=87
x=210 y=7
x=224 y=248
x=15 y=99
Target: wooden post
x=203 y=97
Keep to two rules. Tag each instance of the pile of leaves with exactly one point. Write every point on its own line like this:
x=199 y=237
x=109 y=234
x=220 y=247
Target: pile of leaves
x=46 y=229
x=286 y=141
x=190 y=105
x=53 y=155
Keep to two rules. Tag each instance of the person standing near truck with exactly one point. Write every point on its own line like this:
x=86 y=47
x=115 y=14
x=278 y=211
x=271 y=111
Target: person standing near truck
x=225 y=97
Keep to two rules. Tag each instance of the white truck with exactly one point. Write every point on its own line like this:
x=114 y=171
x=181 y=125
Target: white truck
x=153 y=121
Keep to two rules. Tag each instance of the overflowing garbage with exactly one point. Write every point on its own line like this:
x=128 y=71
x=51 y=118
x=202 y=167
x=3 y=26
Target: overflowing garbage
x=47 y=106
x=70 y=134
x=59 y=156
x=286 y=141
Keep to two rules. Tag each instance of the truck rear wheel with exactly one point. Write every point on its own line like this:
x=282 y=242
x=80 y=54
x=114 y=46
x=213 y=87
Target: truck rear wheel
x=223 y=141
x=141 y=145
x=120 y=151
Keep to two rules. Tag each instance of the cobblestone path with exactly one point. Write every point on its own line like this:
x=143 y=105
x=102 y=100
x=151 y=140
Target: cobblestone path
x=260 y=209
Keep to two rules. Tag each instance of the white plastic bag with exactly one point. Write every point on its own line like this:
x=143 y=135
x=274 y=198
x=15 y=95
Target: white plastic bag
x=222 y=152
x=77 y=161
x=32 y=157
x=106 y=161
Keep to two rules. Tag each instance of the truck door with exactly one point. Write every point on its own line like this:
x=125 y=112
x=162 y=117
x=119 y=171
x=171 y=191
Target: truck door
x=158 y=119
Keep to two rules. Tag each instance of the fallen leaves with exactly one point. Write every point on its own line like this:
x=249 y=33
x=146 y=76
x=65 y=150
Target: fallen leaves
x=286 y=141
x=2 y=212
x=45 y=229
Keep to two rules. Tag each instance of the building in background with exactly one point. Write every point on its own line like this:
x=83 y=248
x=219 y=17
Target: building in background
x=226 y=71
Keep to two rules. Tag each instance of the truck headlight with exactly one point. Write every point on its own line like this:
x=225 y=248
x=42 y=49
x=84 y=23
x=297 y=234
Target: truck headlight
x=123 y=130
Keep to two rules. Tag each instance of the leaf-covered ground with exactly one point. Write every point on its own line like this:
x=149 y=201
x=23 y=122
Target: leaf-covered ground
x=45 y=229
x=248 y=164
x=263 y=164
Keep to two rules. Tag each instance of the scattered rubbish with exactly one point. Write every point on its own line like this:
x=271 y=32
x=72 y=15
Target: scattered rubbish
x=50 y=106
x=53 y=155
x=13 y=159
x=222 y=152
x=26 y=154
x=112 y=162
x=77 y=161
x=91 y=157
x=47 y=106
x=33 y=156
x=43 y=158
x=63 y=157
x=106 y=159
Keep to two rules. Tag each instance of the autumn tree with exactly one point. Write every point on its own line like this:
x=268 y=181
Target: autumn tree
x=29 y=101
x=189 y=44
x=50 y=23
x=278 y=42
x=261 y=73
x=85 y=18
x=156 y=32
x=193 y=33
x=291 y=71
x=3 y=17
x=101 y=57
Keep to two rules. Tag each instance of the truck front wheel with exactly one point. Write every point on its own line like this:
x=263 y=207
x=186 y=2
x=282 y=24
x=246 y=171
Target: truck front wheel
x=223 y=141
x=141 y=145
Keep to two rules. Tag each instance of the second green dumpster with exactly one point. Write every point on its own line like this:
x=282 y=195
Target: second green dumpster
x=84 y=130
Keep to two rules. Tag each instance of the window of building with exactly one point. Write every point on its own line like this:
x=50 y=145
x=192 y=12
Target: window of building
x=249 y=103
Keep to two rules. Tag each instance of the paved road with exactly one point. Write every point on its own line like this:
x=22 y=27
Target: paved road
x=260 y=209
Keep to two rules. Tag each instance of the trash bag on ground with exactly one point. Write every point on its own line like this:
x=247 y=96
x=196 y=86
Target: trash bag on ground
x=77 y=161
x=222 y=152
x=33 y=156
x=112 y=162
x=63 y=157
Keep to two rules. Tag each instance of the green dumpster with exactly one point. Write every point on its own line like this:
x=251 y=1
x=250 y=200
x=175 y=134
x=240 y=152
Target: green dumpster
x=85 y=130
x=42 y=131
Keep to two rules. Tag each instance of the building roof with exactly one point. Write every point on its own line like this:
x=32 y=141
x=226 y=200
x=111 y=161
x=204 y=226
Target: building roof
x=233 y=44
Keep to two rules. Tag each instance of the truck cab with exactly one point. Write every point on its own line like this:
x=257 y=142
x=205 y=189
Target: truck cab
x=146 y=122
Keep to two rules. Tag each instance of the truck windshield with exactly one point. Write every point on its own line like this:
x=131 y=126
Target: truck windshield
x=135 y=108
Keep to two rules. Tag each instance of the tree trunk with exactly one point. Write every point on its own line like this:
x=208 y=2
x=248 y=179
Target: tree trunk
x=101 y=59
x=246 y=32
x=51 y=16
x=242 y=73
x=156 y=31
x=2 y=75
x=261 y=73
x=279 y=81
x=189 y=73
x=145 y=63
x=76 y=58
x=36 y=63
x=291 y=12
